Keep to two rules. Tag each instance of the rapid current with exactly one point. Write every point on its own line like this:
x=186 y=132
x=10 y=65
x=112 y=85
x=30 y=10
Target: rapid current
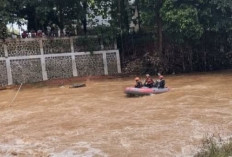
x=99 y=120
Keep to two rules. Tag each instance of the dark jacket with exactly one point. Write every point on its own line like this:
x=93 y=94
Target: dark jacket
x=162 y=84
x=159 y=84
x=139 y=84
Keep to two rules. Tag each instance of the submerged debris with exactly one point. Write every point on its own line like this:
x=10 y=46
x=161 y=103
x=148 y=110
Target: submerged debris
x=78 y=85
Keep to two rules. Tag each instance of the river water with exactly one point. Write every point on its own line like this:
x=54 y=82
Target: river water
x=99 y=120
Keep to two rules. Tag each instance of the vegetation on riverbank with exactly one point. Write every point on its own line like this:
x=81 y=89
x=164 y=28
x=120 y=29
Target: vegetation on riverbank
x=213 y=148
x=180 y=36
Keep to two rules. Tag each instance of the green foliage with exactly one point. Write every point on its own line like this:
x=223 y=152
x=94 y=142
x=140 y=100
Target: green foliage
x=5 y=17
x=87 y=44
x=3 y=30
x=199 y=32
x=215 y=15
x=181 y=21
x=107 y=35
x=211 y=148
x=147 y=9
x=120 y=13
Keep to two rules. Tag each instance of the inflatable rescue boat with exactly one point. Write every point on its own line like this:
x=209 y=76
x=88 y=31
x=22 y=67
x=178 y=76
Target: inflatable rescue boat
x=145 y=91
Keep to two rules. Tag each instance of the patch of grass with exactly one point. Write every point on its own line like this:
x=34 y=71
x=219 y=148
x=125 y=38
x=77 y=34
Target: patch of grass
x=215 y=148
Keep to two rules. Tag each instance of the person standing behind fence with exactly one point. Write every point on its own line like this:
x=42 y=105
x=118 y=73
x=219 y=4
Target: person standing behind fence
x=48 y=31
x=24 y=35
x=33 y=34
x=39 y=34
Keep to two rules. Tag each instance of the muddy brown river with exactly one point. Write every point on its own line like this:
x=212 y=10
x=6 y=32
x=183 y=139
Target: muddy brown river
x=100 y=121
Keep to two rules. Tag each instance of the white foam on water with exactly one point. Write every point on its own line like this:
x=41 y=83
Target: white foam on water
x=125 y=143
x=81 y=149
x=75 y=150
x=68 y=153
x=188 y=151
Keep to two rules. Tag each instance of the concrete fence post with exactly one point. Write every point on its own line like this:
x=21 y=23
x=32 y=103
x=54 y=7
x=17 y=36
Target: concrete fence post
x=74 y=65
x=43 y=63
x=105 y=63
x=8 y=67
x=5 y=50
x=118 y=62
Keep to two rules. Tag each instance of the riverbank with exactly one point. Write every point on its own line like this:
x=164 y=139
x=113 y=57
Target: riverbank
x=153 y=64
x=80 y=80
x=66 y=81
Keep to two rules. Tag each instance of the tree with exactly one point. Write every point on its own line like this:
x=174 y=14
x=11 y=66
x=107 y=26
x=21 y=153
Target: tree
x=5 y=17
x=151 y=14
x=203 y=26
x=181 y=21
x=215 y=17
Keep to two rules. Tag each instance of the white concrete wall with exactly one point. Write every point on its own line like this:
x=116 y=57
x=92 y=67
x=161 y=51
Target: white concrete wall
x=32 y=60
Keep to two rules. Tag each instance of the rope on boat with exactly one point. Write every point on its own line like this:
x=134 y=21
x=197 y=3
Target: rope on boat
x=12 y=101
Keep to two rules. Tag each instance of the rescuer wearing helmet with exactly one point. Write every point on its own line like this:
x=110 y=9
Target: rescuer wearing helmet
x=160 y=83
x=138 y=84
x=148 y=82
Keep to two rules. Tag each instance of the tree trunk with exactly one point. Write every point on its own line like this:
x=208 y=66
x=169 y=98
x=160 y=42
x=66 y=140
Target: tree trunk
x=84 y=20
x=191 y=59
x=205 y=61
x=121 y=33
x=61 y=19
x=159 y=27
x=183 y=59
x=205 y=53
x=139 y=16
x=31 y=18
x=160 y=32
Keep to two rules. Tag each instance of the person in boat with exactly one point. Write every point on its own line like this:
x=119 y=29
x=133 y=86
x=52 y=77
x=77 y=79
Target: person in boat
x=148 y=82
x=138 y=84
x=160 y=83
